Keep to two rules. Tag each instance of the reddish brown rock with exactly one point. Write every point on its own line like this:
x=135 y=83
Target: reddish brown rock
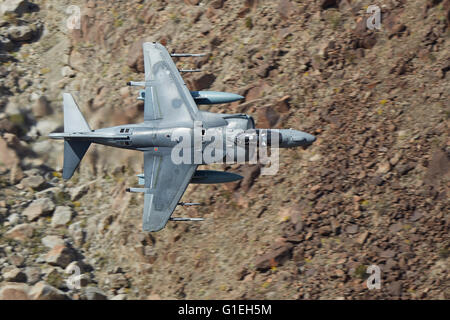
x=267 y=117
x=279 y=254
x=136 y=56
x=100 y=99
x=256 y=91
x=21 y=232
x=217 y=4
x=44 y=291
x=8 y=157
x=249 y=177
x=282 y=105
x=202 y=82
x=41 y=107
x=14 y=292
x=243 y=12
x=60 y=255
x=286 y=9
x=439 y=167
x=252 y=4
x=395 y=288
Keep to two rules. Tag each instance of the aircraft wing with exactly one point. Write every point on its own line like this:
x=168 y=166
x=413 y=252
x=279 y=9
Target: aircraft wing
x=166 y=95
x=165 y=183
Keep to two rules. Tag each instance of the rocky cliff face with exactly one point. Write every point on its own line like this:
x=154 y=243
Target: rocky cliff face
x=373 y=190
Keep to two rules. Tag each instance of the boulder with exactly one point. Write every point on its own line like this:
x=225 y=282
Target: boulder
x=14 y=292
x=52 y=241
x=438 y=168
x=93 y=293
x=117 y=281
x=44 y=291
x=267 y=117
x=6 y=44
x=34 y=182
x=21 y=232
x=352 y=229
x=17 y=7
x=13 y=219
x=282 y=105
x=67 y=72
x=217 y=4
x=15 y=275
x=279 y=254
x=136 y=56
x=326 y=4
x=8 y=157
x=61 y=256
x=20 y=33
x=250 y=176
x=78 y=192
x=192 y=2
x=17 y=259
x=286 y=9
x=45 y=126
x=39 y=208
x=41 y=107
x=203 y=81
x=33 y=274
x=61 y=217
x=395 y=288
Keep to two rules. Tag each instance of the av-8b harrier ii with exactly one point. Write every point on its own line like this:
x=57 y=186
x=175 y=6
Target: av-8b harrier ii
x=171 y=120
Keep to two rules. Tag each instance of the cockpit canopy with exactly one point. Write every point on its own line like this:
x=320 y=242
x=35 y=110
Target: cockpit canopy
x=263 y=137
x=239 y=121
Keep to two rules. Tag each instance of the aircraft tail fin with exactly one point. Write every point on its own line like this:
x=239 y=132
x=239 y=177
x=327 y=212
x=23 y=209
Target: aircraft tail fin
x=73 y=119
x=74 y=150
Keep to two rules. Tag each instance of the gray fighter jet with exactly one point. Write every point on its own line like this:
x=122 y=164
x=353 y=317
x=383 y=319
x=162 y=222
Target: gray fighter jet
x=171 y=117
